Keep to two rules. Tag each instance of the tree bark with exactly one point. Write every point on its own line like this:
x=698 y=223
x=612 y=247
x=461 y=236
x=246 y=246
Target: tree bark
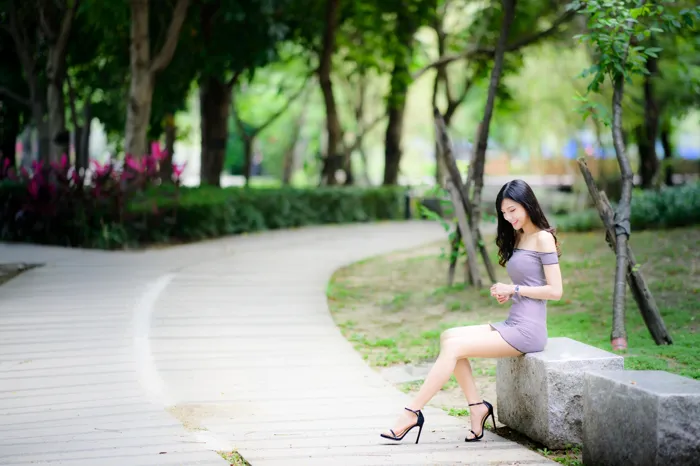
x=84 y=153
x=396 y=108
x=333 y=128
x=361 y=131
x=668 y=153
x=143 y=71
x=23 y=46
x=456 y=178
x=248 y=148
x=166 y=165
x=640 y=291
x=648 y=132
x=622 y=220
x=9 y=131
x=215 y=104
x=55 y=75
x=482 y=140
x=138 y=111
x=290 y=153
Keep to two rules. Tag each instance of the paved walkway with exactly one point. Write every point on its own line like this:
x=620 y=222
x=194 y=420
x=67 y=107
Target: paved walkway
x=162 y=357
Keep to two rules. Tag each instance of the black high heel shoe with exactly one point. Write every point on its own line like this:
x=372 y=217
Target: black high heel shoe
x=419 y=424
x=483 y=421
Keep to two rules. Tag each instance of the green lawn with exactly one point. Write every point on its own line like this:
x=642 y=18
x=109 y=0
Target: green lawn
x=394 y=307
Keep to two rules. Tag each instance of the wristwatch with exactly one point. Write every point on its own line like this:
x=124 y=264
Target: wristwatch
x=517 y=289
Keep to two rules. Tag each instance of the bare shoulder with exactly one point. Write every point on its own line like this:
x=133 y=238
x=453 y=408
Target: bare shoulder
x=545 y=242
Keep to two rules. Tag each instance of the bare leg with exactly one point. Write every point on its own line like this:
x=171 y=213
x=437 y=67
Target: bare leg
x=463 y=374
x=481 y=342
x=465 y=378
x=463 y=368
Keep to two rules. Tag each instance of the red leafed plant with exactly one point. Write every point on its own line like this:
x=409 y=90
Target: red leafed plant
x=58 y=196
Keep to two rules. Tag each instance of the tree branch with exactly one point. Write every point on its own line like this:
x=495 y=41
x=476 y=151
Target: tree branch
x=234 y=80
x=473 y=51
x=22 y=47
x=358 y=140
x=166 y=53
x=234 y=110
x=284 y=108
x=66 y=26
x=16 y=97
x=44 y=23
x=71 y=102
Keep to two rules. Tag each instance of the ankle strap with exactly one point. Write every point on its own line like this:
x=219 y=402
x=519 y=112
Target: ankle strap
x=474 y=404
x=414 y=412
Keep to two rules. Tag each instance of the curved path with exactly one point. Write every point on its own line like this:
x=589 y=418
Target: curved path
x=164 y=356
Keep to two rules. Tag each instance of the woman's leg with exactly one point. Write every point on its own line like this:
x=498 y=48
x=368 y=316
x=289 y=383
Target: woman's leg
x=463 y=369
x=479 y=341
x=465 y=378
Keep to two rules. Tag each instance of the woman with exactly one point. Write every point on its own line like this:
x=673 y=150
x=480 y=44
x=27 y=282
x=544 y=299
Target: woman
x=529 y=250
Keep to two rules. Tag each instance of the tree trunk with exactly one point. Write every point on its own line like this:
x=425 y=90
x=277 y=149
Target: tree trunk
x=333 y=128
x=480 y=156
x=215 y=103
x=394 y=129
x=9 y=131
x=396 y=103
x=166 y=165
x=647 y=155
x=640 y=291
x=138 y=111
x=668 y=153
x=290 y=153
x=57 y=118
x=618 y=337
x=248 y=147
x=143 y=71
x=84 y=154
x=42 y=129
x=396 y=106
x=649 y=163
x=440 y=76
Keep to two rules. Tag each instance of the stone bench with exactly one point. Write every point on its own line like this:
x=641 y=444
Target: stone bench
x=641 y=418
x=540 y=394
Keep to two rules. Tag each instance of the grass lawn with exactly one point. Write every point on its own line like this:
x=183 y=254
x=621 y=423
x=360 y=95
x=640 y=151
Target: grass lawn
x=394 y=307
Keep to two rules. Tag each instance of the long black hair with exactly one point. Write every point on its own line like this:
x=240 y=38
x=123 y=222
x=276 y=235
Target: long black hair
x=520 y=192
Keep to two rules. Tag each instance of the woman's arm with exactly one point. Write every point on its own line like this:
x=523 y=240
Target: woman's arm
x=553 y=290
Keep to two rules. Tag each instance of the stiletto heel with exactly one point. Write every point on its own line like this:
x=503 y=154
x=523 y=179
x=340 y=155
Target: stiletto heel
x=419 y=424
x=420 y=429
x=483 y=421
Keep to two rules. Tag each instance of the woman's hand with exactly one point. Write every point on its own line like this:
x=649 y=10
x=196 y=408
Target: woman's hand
x=502 y=289
x=502 y=298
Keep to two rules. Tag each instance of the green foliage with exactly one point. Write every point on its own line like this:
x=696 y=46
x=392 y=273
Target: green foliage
x=670 y=207
x=620 y=33
x=168 y=214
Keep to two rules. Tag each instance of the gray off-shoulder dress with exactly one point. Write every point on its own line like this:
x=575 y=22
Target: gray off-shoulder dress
x=525 y=329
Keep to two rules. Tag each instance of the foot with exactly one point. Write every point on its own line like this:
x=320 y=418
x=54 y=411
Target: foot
x=406 y=420
x=477 y=413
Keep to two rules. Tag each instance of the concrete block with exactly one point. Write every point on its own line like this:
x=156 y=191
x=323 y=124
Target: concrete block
x=645 y=418
x=539 y=394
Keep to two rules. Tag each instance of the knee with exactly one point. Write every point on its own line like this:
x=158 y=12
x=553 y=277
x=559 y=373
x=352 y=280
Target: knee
x=448 y=346
x=446 y=335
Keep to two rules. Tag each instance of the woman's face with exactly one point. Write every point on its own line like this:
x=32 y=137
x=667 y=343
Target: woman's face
x=514 y=213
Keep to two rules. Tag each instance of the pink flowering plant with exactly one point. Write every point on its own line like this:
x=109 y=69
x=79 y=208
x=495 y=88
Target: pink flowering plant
x=58 y=204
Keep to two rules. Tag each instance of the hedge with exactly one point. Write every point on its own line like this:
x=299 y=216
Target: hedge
x=167 y=214
x=669 y=207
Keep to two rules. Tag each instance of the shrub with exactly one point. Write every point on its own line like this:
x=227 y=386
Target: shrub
x=115 y=208
x=207 y=212
x=667 y=208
